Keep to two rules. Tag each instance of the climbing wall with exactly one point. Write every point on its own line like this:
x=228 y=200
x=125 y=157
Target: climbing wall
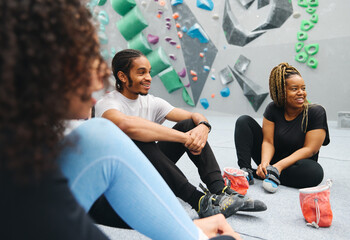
x=217 y=55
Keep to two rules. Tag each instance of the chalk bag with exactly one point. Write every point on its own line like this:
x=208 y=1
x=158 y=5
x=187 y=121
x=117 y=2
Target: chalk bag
x=236 y=179
x=315 y=205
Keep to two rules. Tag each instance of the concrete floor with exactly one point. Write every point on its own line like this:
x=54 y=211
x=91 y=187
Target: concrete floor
x=283 y=219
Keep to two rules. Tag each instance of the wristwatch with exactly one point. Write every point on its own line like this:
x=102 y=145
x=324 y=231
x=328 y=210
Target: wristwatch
x=206 y=124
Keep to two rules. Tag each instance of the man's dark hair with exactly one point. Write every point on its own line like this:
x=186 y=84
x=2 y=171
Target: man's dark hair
x=122 y=61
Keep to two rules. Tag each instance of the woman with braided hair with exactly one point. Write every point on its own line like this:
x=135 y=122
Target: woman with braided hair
x=286 y=148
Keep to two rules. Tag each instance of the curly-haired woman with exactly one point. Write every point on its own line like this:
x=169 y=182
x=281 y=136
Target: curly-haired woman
x=50 y=65
x=286 y=148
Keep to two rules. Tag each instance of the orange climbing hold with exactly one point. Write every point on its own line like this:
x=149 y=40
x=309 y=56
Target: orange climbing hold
x=158 y=15
x=180 y=34
x=193 y=73
x=162 y=3
x=201 y=55
x=178 y=25
x=194 y=78
x=176 y=15
x=213 y=95
x=178 y=46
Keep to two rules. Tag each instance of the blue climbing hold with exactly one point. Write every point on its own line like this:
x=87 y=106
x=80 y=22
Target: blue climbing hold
x=205 y=4
x=213 y=77
x=103 y=17
x=176 y=2
x=196 y=31
x=184 y=29
x=204 y=102
x=206 y=68
x=225 y=92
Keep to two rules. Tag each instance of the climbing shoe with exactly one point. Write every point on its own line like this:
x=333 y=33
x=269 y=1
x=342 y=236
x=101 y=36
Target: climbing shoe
x=272 y=179
x=211 y=204
x=250 y=176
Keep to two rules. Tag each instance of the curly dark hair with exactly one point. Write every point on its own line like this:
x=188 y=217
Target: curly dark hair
x=46 y=50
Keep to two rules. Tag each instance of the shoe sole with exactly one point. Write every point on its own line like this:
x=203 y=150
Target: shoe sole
x=268 y=186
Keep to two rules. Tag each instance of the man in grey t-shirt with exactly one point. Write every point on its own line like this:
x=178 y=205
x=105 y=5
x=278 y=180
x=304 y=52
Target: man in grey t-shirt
x=140 y=115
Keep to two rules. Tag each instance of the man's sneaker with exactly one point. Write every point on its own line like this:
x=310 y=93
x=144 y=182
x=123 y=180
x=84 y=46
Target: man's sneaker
x=250 y=176
x=211 y=204
x=250 y=205
x=272 y=179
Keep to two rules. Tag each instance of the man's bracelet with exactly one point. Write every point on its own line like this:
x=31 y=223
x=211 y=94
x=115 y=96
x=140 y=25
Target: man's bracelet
x=206 y=124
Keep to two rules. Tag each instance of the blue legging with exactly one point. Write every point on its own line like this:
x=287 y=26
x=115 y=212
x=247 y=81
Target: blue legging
x=100 y=159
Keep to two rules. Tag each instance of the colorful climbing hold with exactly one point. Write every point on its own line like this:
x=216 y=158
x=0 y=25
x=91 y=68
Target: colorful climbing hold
x=178 y=25
x=184 y=29
x=168 y=39
x=225 y=92
x=193 y=73
x=204 y=102
x=303 y=3
x=201 y=55
x=306 y=25
x=212 y=95
x=178 y=46
x=206 y=68
x=172 y=42
x=195 y=78
x=176 y=15
x=213 y=77
x=314 y=18
x=302 y=36
x=182 y=73
x=172 y=57
x=180 y=34
x=312 y=62
x=205 y=4
x=312 y=49
x=162 y=3
x=153 y=39
x=196 y=31
x=301 y=57
x=299 y=46
x=313 y=3
x=176 y=2
x=310 y=10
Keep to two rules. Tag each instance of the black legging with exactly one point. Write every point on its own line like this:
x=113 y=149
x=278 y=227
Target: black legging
x=248 y=140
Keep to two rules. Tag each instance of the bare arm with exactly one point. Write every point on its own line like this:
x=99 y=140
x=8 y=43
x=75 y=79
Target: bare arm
x=312 y=144
x=143 y=130
x=267 y=147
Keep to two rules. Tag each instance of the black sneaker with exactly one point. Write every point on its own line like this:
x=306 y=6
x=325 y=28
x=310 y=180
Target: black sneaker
x=212 y=204
x=250 y=176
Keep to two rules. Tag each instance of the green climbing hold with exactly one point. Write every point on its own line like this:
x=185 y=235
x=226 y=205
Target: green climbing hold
x=159 y=61
x=302 y=36
x=312 y=62
x=306 y=25
x=303 y=3
x=140 y=43
x=132 y=23
x=301 y=57
x=310 y=10
x=170 y=79
x=186 y=97
x=123 y=6
x=312 y=49
x=313 y=3
x=314 y=18
x=299 y=46
x=101 y=2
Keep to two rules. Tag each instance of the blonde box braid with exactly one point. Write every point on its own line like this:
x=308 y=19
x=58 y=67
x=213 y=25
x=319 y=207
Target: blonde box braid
x=277 y=85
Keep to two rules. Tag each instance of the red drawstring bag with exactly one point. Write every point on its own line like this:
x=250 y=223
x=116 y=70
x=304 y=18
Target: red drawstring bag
x=236 y=179
x=315 y=205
